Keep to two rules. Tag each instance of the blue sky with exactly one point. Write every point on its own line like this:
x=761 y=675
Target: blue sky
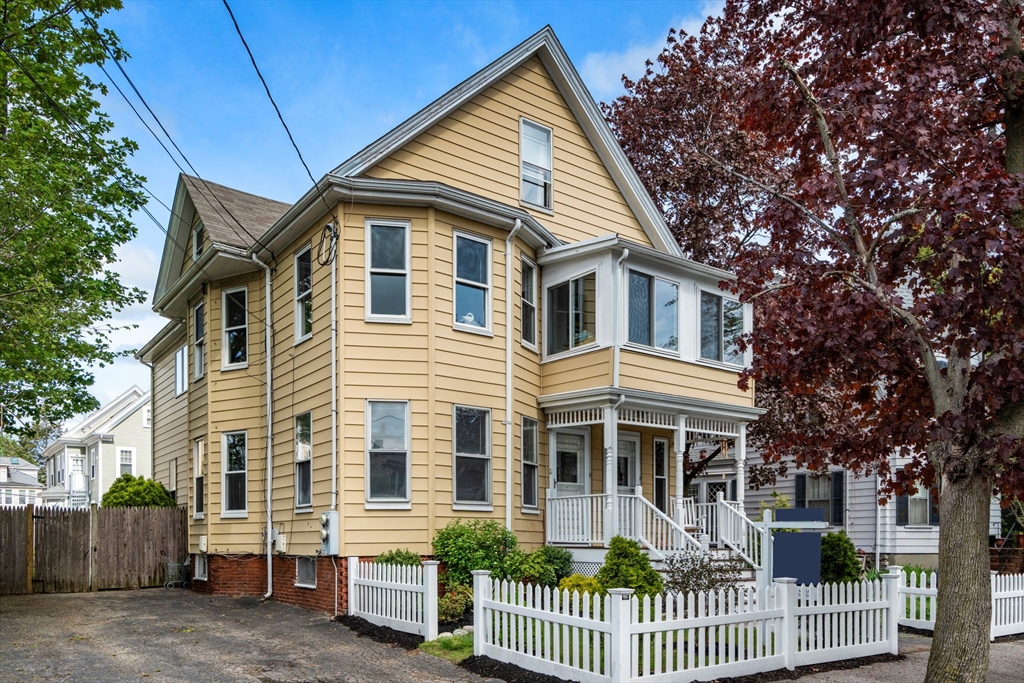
x=343 y=74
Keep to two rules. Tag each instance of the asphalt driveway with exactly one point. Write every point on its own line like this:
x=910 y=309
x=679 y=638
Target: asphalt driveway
x=176 y=635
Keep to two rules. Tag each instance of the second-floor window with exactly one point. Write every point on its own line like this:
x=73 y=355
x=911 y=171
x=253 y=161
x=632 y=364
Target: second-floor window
x=472 y=283
x=304 y=460
x=127 y=458
x=304 y=294
x=199 y=344
x=388 y=289
x=721 y=325
x=236 y=328
x=199 y=476
x=236 y=456
x=181 y=371
x=529 y=299
x=653 y=311
x=572 y=314
x=535 y=155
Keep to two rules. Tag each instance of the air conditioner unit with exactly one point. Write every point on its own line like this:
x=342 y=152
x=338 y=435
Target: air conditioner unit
x=202 y=544
x=281 y=543
x=329 y=533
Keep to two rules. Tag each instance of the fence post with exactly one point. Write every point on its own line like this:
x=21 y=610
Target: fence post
x=94 y=532
x=992 y=624
x=430 y=599
x=30 y=546
x=353 y=567
x=893 y=583
x=619 y=623
x=481 y=589
x=787 y=589
x=705 y=543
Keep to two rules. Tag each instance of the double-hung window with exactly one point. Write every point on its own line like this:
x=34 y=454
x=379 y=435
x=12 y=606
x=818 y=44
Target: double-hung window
x=472 y=283
x=721 y=325
x=387 y=272
x=127 y=460
x=387 y=453
x=661 y=474
x=572 y=314
x=529 y=303
x=653 y=311
x=198 y=237
x=233 y=496
x=535 y=155
x=181 y=371
x=304 y=460
x=236 y=329
x=920 y=508
x=304 y=294
x=530 y=479
x=147 y=417
x=199 y=345
x=472 y=456
x=199 y=476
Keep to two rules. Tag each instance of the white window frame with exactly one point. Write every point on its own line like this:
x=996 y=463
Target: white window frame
x=300 y=297
x=224 y=511
x=224 y=365
x=925 y=494
x=407 y=272
x=388 y=503
x=199 y=472
x=181 y=371
x=654 y=331
x=299 y=560
x=535 y=464
x=199 y=343
x=487 y=505
x=523 y=123
x=721 y=329
x=524 y=302
x=121 y=450
x=92 y=462
x=200 y=568
x=301 y=457
x=661 y=479
x=489 y=286
x=198 y=239
x=573 y=349
x=147 y=417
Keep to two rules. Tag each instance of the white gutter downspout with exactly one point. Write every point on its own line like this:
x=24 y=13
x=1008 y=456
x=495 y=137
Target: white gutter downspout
x=334 y=377
x=509 y=433
x=617 y=317
x=268 y=362
x=878 y=521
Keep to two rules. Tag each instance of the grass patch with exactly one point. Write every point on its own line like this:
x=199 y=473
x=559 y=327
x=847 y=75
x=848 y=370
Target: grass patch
x=454 y=649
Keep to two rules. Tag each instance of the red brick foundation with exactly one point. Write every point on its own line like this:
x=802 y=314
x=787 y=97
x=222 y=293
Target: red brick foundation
x=1009 y=560
x=246 y=575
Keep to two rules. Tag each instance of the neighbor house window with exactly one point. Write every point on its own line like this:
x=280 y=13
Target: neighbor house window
x=653 y=311
x=127 y=460
x=21 y=497
x=918 y=509
x=304 y=460
x=199 y=475
x=825 y=492
x=305 y=572
x=92 y=462
x=472 y=456
x=721 y=325
x=199 y=344
x=387 y=458
x=529 y=301
x=198 y=238
x=472 y=283
x=147 y=417
x=572 y=319
x=304 y=294
x=661 y=474
x=535 y=154
x=530 y=479
x=387 y=272
x=181 y=371
x=199 y=568
x=236 y=329
x=235 y=473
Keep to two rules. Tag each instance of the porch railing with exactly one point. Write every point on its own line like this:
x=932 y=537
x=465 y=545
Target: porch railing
x=740 y=534
x=657 y=531
x=707 y=516
x=576 y=519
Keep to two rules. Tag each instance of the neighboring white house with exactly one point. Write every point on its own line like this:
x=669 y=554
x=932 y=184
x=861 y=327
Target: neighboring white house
x=19 y=482
x=116 y=439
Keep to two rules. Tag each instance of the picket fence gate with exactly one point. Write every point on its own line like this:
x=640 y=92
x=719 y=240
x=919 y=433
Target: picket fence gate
x=400 y=597
x=920 y=600
x=618 y=637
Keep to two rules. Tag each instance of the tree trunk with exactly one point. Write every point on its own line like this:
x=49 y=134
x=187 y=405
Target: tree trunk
x=960 y=646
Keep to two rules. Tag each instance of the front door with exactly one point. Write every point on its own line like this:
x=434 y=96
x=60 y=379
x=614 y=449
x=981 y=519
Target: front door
x=570 y=464
x=628 y=465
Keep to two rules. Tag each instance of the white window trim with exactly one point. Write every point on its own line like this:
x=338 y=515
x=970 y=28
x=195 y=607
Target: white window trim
x=224 y=365
x=550 y=169
x=368 y=258
x=295 y=441
x=652 y=347
x=224 y=512
x=536 y=306
x=388 y=503
x=199 y=359
x=135 y=459
x=722 y=365
x=463 y=327
x=654 y=471
x=308 y=249
x=200 y=559
x=198 y=248
x=305 y=585
x=529 y=509
x=472 y=505
x=198 y=455
x=147 y=417
x=181 y=370
x=573 y=350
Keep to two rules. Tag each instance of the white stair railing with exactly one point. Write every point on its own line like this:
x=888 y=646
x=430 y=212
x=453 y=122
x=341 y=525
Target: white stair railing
x=658 y=532
x=741 y=534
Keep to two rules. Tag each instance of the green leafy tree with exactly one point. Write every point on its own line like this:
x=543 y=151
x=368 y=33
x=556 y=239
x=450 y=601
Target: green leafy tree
x=68 y=196
x=137 y=492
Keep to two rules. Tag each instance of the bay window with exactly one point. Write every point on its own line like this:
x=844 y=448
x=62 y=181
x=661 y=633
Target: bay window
x=472 y=283
x=572 y=314
x=721 y=325
x=653 y=311
x=472 y=484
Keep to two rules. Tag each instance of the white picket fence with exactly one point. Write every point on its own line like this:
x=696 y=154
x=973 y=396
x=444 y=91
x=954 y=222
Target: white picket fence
x=919 y=602
x=618 y=637
x=400 y=597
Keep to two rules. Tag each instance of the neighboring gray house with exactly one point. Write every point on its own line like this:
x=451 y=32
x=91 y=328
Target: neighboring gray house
x=19 y=482
x=116 y=439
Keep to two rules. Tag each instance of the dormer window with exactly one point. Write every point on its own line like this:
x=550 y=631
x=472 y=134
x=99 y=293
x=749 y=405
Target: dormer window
x=535 y=161
x=721 y=324
x=198 y=237
x=653 y=311
x=572 y=314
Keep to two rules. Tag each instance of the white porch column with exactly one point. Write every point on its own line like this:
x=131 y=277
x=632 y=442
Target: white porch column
x=741 y=464
x=611 y=502
x=680 y=471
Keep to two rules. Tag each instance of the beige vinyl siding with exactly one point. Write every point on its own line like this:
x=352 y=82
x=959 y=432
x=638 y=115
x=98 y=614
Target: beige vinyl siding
x=198 y=420
x=668 y=376
x=581 y=371
x=170 y=421
x=476 y=148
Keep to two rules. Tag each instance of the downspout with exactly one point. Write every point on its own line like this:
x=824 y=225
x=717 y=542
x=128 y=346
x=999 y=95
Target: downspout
x=878 y=521
x=268 y=363
x=334 y=381
x=617 y=342
x=509 y=433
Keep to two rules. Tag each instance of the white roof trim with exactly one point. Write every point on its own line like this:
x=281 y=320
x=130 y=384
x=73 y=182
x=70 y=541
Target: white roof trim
x=544 y=44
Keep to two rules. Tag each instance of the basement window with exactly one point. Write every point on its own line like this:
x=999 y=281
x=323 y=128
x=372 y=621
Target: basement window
x=305 y=572
x=199 y=568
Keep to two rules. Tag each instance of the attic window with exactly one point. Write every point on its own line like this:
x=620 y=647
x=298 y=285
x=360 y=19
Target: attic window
x=535 y=159
x=198 y=238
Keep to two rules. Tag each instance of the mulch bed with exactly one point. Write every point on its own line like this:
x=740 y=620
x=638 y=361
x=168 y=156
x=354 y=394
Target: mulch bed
x=510 y=673
x=380 y=634
x=450 y=626
x=916 y=631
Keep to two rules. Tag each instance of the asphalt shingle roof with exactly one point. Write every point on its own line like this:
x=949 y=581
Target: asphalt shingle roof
x=217 y=204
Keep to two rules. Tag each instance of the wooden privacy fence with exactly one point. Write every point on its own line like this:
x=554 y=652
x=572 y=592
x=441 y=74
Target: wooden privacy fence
x=63 y=550
x=400 y=597
x=919 y=602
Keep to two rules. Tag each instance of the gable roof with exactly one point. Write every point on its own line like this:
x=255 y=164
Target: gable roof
x=102 y=420
x=219 y=206
x=543 y=44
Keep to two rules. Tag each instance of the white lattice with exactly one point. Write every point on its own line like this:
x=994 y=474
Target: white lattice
x=647 y=418
x=573 y=418
x=703 y=426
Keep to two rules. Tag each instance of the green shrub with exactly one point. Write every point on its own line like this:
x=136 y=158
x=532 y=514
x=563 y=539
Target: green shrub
x=472 y=545
x=577 y=583
x=403 y=557
x=136 y=492
x=839 y=563
x=626 y=566
x=559 y=559
x=696 y=572
x=453 y=604
x=531 y=568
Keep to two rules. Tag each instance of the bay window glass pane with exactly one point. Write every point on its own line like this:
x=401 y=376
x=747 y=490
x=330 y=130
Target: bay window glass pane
x=732 y=329
x=584 y=313
x=387 y=425
x=388 y=475
x=304 y=483
x=236 y=346
x=710 y=331
x=558 y=318
x=470 y=305
x=471 y=431
x=666 y=315
x=639 y=309
x=236 y=309
x=387 y=294
x=471 y=258
x=387 y=247
x=471 y=475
